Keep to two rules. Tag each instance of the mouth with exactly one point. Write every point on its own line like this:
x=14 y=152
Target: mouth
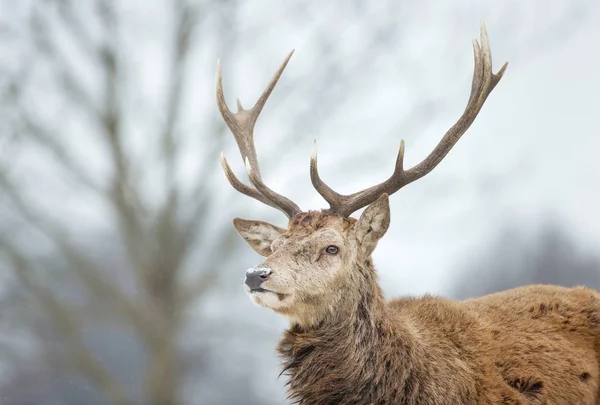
x=265 y=291
x=261 y=290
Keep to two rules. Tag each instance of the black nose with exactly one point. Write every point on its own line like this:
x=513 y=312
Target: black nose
x=256 y=276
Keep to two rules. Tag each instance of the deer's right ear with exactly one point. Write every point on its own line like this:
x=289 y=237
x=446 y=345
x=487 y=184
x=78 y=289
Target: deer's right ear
x=259 y=234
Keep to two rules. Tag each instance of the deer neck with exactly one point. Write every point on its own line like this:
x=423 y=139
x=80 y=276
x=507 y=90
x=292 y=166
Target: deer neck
x=346 y=354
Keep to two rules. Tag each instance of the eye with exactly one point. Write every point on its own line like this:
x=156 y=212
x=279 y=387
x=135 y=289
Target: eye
x=332 y=250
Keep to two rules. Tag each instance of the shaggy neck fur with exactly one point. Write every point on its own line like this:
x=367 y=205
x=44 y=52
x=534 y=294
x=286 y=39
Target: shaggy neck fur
x=355 y=355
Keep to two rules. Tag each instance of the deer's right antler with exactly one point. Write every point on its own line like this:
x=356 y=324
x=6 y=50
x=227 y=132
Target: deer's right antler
x=484 y=82
x=241 y=125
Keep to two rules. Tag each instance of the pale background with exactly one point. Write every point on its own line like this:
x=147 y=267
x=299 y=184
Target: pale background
x=120 y=271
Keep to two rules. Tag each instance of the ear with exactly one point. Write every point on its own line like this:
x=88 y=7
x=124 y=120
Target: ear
x=258 y=234
x=373 y=224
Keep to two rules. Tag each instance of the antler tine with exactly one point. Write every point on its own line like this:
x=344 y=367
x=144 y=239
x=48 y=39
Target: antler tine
x=339 y=202
x=484 y=81
x=241 y=125
x=241 y=187
x=333 y=198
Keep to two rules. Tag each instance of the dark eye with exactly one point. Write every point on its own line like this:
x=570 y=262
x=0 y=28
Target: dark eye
x=332 y=250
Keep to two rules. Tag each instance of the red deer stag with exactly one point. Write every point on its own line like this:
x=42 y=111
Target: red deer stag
x=346 y=344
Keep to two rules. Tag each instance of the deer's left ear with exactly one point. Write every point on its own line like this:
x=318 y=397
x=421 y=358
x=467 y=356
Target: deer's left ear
x=259 y=234
x=373 y=224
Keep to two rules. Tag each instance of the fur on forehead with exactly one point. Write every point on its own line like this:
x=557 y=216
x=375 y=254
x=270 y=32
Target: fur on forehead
x=309 y=222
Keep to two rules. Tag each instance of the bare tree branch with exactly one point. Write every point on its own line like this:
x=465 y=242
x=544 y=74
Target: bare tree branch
x=72 y=167
x=166 y=218
x=91 y=275
x=45 y=43
x=69 y=327
x=78 y=32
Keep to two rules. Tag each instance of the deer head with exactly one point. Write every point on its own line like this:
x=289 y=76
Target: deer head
x=322 y=261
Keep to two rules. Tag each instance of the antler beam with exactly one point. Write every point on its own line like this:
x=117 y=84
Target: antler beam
x=483 y=83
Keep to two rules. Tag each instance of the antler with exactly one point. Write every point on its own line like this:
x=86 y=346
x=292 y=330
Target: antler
x=483 y=83
x=241 y=125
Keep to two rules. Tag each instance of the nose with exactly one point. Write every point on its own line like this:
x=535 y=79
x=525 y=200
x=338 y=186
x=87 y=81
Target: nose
x=256 y=276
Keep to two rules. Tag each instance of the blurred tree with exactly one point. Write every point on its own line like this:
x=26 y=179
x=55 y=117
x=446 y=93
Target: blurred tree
x=81 y=57
x=515 y=258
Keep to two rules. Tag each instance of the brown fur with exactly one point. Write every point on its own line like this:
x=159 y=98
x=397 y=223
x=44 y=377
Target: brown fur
x=538 y=344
